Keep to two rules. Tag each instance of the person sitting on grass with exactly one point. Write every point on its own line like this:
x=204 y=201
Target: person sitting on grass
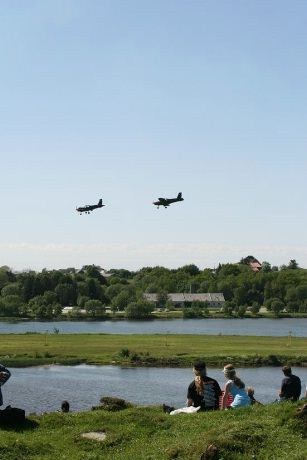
x=204 y=391
x=251 y=394
x=290 y=386
x=236 y=388
x=65 y=406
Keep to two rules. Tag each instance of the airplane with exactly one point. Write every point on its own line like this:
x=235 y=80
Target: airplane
x=167 y=201
x=90 y=207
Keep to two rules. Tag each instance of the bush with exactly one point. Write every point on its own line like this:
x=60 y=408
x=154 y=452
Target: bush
x=95 y=307
x=192 y=312
x=277 y=306
x=125 y=352
x=139 y=310
x=293 y=306
x=113 y=404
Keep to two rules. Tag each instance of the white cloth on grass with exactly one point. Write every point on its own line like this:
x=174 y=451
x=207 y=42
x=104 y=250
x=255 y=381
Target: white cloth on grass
x=185 y=410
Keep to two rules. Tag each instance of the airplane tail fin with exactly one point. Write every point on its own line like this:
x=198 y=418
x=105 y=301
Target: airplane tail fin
x=100 y=202
x=179 y=196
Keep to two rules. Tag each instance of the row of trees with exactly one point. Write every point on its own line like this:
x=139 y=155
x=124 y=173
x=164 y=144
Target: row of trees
x=44 y=294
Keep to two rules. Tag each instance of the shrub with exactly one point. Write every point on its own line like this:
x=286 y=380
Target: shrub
x=113 y=404
x=124 y=352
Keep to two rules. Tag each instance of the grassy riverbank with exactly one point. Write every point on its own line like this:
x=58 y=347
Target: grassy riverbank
x=167 y=315
x=155 y=350
x=266 y=432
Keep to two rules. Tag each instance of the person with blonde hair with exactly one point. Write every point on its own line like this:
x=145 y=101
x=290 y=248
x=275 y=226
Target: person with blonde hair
x=204 y=391
x=236 y=388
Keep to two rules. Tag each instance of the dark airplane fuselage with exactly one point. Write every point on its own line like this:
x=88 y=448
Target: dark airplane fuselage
x=88 y=208
x=167 y=201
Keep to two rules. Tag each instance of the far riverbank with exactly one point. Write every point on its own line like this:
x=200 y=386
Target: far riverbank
x=170 y=350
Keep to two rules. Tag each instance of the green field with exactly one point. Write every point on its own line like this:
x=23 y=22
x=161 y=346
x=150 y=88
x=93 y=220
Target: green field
x=165 y=350
x=272 y=432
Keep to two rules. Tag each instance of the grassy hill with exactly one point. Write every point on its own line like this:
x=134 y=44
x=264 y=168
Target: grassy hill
x=272 y=432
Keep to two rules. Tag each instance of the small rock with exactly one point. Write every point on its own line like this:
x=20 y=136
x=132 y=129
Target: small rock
x=94 y=435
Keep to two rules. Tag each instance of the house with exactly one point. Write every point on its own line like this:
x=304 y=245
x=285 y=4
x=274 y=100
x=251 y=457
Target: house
x=214 y=300
x=255 y=266
x=69 y=310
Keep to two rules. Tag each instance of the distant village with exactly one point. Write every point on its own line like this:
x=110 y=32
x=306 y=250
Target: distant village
x=231 y=289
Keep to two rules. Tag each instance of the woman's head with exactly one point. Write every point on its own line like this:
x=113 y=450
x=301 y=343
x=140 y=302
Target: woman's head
x=199 y=368
x=230 y=373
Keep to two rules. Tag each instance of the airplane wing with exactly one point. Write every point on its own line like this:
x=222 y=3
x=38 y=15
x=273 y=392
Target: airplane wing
x=163 y=201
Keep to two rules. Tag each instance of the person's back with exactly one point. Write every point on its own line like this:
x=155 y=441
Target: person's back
x=204 y=391
x=290 y=385
x=236 y=388
x=208 y=397
x=240 y=396
x=65 y=406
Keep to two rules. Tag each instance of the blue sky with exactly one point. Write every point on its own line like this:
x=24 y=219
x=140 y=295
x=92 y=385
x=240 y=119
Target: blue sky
x=132 y=100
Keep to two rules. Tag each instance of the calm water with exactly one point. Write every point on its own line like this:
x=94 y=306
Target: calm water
x=261 y=326
x=42 y=389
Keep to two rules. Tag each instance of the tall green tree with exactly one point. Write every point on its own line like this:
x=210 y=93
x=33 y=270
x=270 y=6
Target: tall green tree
x=277 y=307
x=121 y=301
x=11 y=289
x=191 y=269
x=11 y=305
x=292 y=265
x=139 y=310
x=94 y=307
x=66 y=293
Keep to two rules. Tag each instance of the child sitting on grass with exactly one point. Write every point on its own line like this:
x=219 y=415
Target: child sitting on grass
x=251 y=392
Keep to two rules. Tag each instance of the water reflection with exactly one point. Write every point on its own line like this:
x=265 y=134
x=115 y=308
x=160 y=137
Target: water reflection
x=247 y=326
x=40 y=389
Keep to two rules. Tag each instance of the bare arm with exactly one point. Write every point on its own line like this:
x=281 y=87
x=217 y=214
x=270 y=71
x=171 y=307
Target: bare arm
x=225 y=396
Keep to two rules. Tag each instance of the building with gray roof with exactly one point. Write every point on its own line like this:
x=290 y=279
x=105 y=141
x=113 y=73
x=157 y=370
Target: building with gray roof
x=178 y=299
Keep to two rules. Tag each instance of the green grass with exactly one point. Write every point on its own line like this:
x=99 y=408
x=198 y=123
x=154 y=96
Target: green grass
x=164 y=349
x=265 y=432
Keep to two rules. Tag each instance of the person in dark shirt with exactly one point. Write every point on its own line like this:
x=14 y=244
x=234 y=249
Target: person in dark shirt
x=290 y=385
x=4 y=376
x=204 y=391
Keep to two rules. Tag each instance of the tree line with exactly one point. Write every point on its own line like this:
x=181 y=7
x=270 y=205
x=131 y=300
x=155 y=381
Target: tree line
x=43 y=294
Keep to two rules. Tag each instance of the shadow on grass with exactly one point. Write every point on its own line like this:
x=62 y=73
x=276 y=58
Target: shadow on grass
x=19 y=427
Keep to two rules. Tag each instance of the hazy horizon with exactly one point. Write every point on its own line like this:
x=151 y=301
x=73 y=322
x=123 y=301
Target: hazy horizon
x=135 y=269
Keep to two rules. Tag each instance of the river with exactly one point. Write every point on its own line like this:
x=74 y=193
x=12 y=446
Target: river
x=247 y=326
x=42 y=389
